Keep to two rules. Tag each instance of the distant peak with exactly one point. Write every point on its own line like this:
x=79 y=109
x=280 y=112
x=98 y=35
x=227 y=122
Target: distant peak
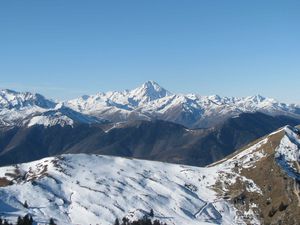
x=151 y=83
x=215 y=97
x=14 y=99
x=149 y=91
x=8 y=91
x=85 y=97
x=257 y=98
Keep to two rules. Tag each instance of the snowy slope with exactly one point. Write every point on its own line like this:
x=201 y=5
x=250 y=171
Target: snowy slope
x=152 y=101
x=288 y=152
x=62 y=116
x=90 y=189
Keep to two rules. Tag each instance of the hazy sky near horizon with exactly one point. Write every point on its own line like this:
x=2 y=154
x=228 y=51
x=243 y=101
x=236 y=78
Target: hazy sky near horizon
x=64 y=49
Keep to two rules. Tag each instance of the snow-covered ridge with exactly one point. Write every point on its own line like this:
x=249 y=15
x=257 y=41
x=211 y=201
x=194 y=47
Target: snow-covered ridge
x=11 y=99
x=62 y=116
x=28 y=109
x=125 y=100
x=288 y=152
x=91 y=189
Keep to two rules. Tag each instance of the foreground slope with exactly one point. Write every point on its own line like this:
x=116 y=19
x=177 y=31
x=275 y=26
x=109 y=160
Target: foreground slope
x=256 y=185
x=271 y=167
x=90 y=189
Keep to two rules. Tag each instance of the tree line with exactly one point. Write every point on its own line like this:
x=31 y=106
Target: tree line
x=146 y=220
x=143 y=221
x=25 y=220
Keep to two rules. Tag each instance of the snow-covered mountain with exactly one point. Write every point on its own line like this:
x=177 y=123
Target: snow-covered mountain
x=126 y=100
x=60 y=115
x=150 y=101
x=10 y=99
x=248 y=187
x=28 y=109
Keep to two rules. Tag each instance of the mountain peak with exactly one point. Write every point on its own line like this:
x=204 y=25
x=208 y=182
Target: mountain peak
x=257 y=98
x=151 y=84
x=8 y=91
x=13 y=99
x=149 y=91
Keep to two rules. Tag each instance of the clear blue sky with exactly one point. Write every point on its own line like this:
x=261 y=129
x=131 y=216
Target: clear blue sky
x=67 y=48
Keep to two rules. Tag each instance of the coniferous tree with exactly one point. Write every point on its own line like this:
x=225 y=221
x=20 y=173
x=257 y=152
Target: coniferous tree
x=19 y=221
x=27 y=220
x=156 y=222
x=30 y=220
x=125 y=221
x=144 y=221
x=25 y=204
x=151 y=214
x=51 y=222
x=117 y=222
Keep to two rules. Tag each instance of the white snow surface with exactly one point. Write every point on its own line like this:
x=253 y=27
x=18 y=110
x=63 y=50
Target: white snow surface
x=92 y=189
x=48 y=121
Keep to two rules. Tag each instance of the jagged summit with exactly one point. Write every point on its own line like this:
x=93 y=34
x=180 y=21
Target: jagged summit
x=13 y=99
x=152 y=85
x=149 y=91
x=258 y=98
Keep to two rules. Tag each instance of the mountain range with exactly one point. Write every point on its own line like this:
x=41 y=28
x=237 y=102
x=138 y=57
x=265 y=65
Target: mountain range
x=151 y=101
x=148 y=102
